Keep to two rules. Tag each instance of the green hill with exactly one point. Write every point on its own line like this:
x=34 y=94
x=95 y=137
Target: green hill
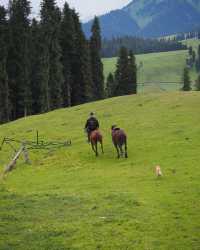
x=68 y=199
x=156 y=69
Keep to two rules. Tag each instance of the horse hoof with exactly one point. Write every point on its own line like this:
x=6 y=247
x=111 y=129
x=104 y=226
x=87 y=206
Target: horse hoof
x=126 y=156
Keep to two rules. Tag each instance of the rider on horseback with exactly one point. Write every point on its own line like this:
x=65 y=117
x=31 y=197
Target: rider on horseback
x=91 y=125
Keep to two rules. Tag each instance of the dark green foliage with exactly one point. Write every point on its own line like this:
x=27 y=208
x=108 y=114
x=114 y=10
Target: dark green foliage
x=87 y=86
x=132 y=74
x=4 y=91
x=56 y=78
x=126 y=73
x=82 y=88
x=35 y=55
x=110 y=85
x=186 y=80
x=97 y=66
x=45 y=64
x=122 y=72
x=51 y=67
x=198 y=83
x=78 y=86
x=67 y=39
x=18 y=58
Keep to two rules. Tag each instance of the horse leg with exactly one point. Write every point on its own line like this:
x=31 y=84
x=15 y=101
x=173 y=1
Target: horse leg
x=96 y=149
x=121 y=150
x=126 y=153
x=93 y=148
x=101 y=142
x=118 y=155
x=88 y=134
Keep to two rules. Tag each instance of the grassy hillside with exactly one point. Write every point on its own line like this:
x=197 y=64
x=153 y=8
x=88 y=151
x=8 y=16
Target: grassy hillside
x=157 y=67
x=68 y=199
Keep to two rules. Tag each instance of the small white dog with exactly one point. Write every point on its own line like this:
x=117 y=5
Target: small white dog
x=158 y=171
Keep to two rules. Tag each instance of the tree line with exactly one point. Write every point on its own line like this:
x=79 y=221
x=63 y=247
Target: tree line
x=110 y=48
x=46 y=64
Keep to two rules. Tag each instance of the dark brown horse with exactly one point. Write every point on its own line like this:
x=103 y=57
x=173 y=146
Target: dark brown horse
x=119 y=139
x=95 y=137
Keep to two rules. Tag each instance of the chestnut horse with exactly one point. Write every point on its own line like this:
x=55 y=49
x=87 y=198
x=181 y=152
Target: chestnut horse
x=119 y=139
x=95 y=137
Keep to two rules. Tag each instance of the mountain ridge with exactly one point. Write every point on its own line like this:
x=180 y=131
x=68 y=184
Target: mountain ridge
x=150 y=18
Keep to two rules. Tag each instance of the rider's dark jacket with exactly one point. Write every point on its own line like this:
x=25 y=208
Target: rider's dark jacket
x=91 y=124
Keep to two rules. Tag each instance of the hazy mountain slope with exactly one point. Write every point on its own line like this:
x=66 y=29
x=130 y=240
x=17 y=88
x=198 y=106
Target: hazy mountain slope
x=174 y=17
x=151 y=18
x=116 y=23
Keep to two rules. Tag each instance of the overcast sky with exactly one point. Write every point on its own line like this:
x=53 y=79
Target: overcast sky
x=86 y=8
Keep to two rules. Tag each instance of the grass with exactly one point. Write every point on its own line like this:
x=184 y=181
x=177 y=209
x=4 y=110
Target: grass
x=68 y=199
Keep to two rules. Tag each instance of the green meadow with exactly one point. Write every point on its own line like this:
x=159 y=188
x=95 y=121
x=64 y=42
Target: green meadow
x=69 y=199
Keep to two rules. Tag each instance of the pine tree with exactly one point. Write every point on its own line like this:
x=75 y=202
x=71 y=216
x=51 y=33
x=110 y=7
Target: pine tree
x=56 y=77
x=82 y=88
x=67 y=39
x=198 y=83
x=18 y=58
x=97 y=66
x=35 y=56
x=186 y=80
x=132 y=74
x=4 y=91
x=110 y=85
x=87 y=86
x=122 y=72
x=51 y=66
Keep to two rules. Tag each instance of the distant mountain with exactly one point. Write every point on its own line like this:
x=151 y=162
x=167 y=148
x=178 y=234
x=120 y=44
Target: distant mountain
x=116 y=23
x=150 y=18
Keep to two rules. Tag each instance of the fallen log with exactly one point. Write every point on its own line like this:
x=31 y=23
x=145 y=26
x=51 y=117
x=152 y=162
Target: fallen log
x=13 y=162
